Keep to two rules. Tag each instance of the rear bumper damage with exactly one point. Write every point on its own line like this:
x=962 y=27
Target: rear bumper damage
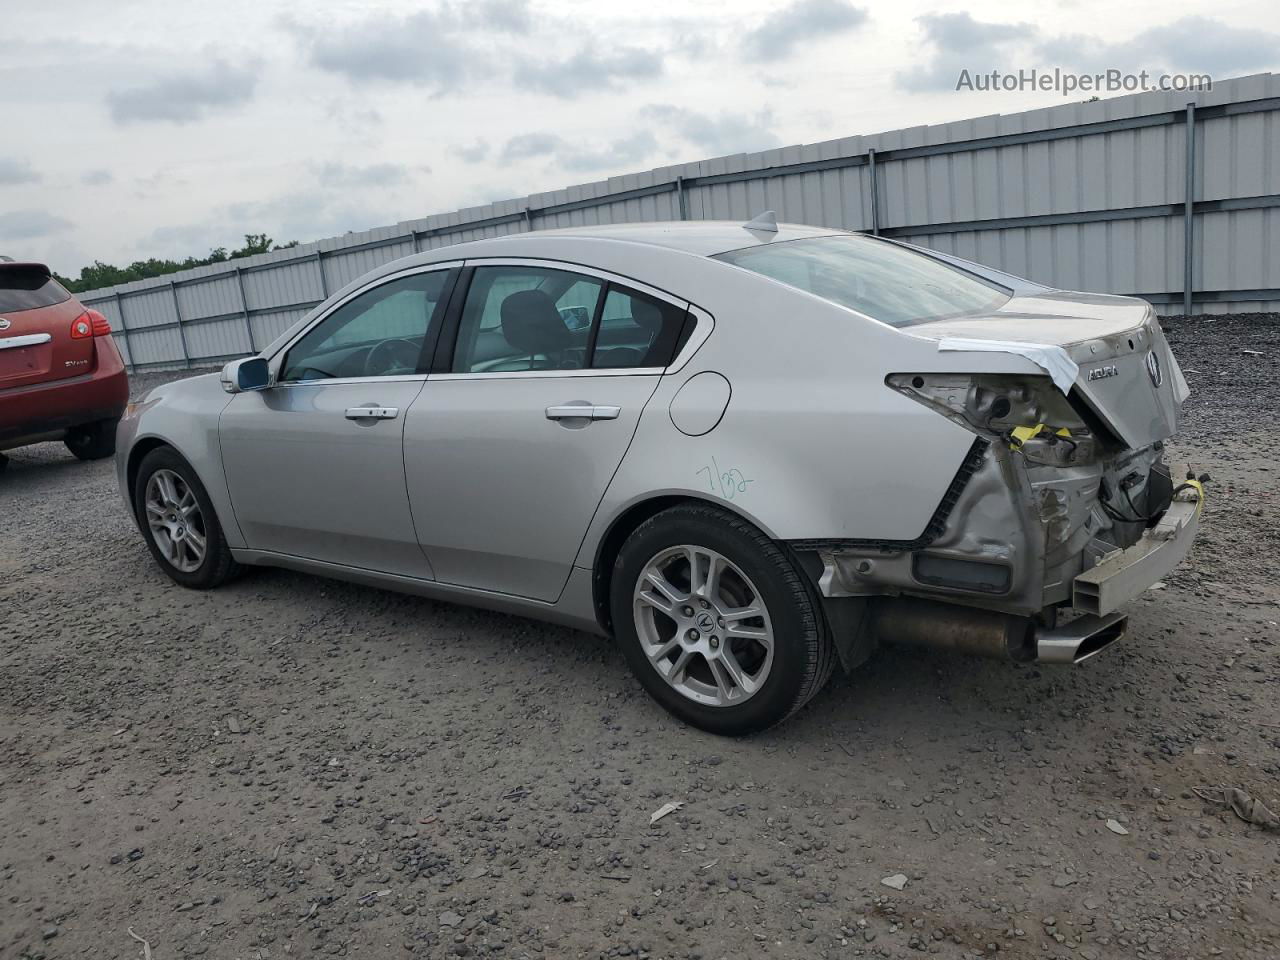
x=1022 y=570
x=1122 y=575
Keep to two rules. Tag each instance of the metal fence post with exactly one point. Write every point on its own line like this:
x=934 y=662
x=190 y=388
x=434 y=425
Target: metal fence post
x=324 y=287
x=1188 y=213
x=244 y=309
x=124 y=328
x=875 y=193
x=182 y=333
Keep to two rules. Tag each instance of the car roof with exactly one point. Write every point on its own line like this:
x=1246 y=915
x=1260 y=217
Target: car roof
x=704 y=238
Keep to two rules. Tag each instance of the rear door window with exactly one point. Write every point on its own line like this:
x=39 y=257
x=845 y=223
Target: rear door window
x=519 y=318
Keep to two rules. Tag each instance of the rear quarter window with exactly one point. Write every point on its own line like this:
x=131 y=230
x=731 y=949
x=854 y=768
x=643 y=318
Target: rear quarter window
x=28 y=288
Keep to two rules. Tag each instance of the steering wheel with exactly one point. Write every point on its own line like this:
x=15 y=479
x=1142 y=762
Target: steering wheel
x=391 y=356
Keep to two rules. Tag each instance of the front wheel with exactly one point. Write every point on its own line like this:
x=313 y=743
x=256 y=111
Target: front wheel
x=178 y=522
x=717 y=622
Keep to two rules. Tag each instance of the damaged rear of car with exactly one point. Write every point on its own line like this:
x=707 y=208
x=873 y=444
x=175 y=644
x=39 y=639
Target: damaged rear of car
x=1064 y=507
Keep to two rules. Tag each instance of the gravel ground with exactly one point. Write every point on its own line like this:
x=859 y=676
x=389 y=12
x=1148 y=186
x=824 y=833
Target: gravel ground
x=290 y=766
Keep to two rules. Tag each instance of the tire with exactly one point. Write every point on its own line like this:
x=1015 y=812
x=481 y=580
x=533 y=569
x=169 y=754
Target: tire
x=178 y=556
x=752 y=568
x=93 y=441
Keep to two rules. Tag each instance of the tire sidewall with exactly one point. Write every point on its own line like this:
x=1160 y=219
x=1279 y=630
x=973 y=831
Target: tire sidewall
x=164 y=458
x=793 y=624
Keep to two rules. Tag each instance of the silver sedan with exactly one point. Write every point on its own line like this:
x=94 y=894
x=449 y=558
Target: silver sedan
x=747 y=452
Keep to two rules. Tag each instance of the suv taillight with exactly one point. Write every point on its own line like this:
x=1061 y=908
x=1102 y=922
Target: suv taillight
x=90 y=324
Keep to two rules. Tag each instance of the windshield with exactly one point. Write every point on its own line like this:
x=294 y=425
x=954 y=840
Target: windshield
x=888 y=282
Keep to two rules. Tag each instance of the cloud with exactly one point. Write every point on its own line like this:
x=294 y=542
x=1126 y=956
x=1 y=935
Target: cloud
x=476 y=152
x=717 y=135
x=781 y=32
x=373 y=175
x=186 y=97
x=589 y=72
x=97 y=178
x=14 y=171
x=306 y=215
x=435 y=49
x=579 y=157
x=960 y=42
x=30 y=225
x=1191 y=43
x=302 y=216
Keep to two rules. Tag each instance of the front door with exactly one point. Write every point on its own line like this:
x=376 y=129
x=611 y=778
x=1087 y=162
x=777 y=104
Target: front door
x=508 y=454
x=315 y=463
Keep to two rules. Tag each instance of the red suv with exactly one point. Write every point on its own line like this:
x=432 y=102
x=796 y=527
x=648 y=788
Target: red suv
x=61 y=375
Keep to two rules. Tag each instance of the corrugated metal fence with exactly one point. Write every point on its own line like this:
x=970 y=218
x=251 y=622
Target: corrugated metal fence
x=1173 y=197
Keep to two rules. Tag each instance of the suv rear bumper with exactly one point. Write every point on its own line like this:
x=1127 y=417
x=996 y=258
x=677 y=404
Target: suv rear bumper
x=43 y=411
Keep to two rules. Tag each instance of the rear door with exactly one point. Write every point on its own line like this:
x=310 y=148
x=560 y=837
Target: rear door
x=37 y=316
x=509 y=449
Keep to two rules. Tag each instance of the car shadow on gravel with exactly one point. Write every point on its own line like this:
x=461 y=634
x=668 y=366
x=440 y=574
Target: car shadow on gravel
x=903 y=695
x=25 y=473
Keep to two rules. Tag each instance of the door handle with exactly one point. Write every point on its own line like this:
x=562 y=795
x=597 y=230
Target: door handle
x=583 y=411
x=372 y=413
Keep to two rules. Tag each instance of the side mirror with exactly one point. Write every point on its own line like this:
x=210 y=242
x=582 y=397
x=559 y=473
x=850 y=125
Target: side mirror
x=242 y=376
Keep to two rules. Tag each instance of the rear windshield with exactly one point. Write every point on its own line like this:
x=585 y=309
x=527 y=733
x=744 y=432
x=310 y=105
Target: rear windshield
x=885 y=281
x=25 y=288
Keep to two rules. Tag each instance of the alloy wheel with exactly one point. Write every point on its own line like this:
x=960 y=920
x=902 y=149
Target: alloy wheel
x=176 y=523
x=703 y=625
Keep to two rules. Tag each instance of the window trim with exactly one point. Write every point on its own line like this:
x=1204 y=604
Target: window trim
x=276 y=360
x=441 y=368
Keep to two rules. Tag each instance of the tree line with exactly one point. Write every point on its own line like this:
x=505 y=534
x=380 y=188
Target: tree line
x=99 y=274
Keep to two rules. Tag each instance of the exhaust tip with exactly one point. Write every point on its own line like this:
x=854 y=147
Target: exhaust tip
x=1082 y=638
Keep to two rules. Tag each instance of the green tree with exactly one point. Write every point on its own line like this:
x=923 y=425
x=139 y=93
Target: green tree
x=99 y=274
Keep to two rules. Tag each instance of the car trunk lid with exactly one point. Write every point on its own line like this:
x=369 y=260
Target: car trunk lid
x=1125 y=373
x=36 y=319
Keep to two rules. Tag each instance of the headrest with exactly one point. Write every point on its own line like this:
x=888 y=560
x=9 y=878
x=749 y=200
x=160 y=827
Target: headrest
x=648 y=316
x=532 y=324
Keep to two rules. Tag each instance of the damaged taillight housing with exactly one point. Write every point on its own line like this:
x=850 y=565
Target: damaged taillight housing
x=1028 y=413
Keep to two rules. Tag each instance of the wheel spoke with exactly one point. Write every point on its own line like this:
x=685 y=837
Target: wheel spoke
x=658 y=601
x=724 y=679
x=187 y=506
x=154 y=509
x=759 y=634
x=168 y=491
x=664 y=651
x=676 y=673
x=741 y=613
x=664 y=587
x=196 y=542
x=728 y=663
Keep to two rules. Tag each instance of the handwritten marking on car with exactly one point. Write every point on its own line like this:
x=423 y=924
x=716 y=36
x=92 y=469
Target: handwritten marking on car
x=727 y=483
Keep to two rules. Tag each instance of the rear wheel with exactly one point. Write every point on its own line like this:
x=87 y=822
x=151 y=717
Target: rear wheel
x=717 y=623
x=178 y=522
x=93 y=441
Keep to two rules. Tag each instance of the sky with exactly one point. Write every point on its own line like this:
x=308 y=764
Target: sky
x=137 y=128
